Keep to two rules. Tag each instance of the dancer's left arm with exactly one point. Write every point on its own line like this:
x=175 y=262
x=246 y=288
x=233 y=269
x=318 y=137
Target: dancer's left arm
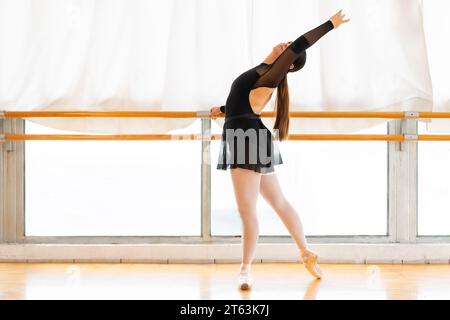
x=280 y=67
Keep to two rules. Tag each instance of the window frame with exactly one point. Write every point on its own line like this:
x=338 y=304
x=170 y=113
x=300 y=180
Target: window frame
x=401 y=200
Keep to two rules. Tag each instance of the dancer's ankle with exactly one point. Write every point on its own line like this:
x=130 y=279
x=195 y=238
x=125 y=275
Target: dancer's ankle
x=245 y=267
x=303 y=251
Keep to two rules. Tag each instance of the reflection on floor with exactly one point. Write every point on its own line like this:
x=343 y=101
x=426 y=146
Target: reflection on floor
x=218 y=281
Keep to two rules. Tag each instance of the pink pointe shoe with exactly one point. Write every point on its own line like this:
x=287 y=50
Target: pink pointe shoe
x=309 y=259
x=245 y=281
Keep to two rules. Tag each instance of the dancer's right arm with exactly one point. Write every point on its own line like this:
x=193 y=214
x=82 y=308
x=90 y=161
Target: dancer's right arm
x=216 y=111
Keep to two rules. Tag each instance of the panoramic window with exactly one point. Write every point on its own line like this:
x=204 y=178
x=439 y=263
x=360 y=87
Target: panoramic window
x=112 y=188
x=433 y=188
x=337 y=187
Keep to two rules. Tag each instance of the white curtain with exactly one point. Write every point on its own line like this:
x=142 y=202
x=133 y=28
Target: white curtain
x=184 y=54
x=437 y=29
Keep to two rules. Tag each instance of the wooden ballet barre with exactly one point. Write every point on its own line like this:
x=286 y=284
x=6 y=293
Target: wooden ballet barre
x=434 y=137
x=157 y=137
x=206 y=114
x=190 y=114
x=341 y=114
x=100 y=114
x=434 y=115
x=347 y=137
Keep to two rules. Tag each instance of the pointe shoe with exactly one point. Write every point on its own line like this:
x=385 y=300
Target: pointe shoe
x=245 y=281
x=310 y=261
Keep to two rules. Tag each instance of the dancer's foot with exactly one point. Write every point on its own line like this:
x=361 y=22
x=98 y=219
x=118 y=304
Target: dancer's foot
x=309 y=259
x=245 y=281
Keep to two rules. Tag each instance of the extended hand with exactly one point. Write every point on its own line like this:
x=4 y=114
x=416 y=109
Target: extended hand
x=338 y=19
x=215 y=112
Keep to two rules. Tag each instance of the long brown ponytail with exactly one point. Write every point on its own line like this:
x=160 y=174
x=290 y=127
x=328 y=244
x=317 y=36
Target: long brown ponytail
x=282 y=110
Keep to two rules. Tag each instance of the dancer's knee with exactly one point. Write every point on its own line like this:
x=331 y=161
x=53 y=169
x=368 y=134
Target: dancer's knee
x=247 y=213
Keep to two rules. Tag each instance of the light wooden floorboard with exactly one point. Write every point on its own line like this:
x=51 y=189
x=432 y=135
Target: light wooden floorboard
x=218 y=281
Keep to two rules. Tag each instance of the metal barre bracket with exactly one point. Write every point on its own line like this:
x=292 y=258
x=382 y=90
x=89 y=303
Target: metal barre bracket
x=411 y=137
x=203 y=114
x=412 y=114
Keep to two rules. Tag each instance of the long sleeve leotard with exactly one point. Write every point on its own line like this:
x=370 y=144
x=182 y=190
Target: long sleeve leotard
x=270 y=75
x=237 y=150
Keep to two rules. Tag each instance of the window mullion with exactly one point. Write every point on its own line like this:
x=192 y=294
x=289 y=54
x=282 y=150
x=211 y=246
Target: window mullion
x=11 y=212
x=206 y=181
x=393 y=126
x=406 y=183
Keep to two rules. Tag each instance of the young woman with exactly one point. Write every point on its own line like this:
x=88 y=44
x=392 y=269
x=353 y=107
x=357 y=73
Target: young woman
x=249 y=150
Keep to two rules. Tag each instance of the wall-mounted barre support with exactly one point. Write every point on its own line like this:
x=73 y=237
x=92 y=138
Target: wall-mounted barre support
x=408 y=127
x=412 y=114
x=411 y=137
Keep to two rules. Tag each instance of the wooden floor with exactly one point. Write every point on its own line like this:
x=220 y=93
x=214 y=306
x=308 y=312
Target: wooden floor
x=218 y=281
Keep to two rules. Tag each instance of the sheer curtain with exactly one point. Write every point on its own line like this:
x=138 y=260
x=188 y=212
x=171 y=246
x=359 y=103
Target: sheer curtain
x=184 y=54
x=437 y=29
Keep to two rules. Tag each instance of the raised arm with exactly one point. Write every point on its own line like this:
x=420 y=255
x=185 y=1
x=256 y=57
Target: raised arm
x=280 y=67
x=308 y=39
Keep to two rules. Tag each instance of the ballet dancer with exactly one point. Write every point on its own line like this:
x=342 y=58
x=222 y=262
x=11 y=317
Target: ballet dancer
x=250 y=151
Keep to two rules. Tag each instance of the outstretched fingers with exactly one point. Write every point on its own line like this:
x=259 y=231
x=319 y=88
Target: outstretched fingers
x=339 y=18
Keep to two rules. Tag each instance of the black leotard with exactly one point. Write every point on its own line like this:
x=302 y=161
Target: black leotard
x=239 y=113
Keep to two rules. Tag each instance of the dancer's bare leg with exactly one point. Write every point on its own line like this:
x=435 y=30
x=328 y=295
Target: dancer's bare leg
x=246 y=185
x=271 y=191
